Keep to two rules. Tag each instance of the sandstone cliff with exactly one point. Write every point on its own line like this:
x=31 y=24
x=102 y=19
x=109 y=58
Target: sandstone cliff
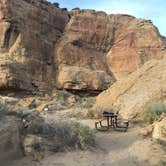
x=29 y=30
x=43 y=47
x=130 y=96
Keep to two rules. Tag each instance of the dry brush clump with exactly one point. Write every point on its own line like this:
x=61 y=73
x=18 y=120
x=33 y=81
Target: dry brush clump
x=161 y=163
x=8 y=109
x=154 y=112
x=61 y=136
x=85 y=102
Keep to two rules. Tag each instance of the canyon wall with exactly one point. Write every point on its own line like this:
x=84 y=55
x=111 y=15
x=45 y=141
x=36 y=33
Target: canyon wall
x=43 y=47
x=29 y=30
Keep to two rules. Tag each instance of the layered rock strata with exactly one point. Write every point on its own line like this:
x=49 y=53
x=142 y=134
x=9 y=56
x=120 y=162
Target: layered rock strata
x=29 y=30
x=38 y=40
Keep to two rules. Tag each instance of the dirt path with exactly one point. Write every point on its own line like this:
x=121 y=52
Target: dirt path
x=114 y=148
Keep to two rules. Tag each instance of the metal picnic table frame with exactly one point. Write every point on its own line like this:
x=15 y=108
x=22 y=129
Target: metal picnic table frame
x=111 y=119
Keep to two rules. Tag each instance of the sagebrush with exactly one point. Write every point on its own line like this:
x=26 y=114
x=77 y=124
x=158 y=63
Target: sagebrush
x=8 y=109
x=153 y=112
x=66 y=135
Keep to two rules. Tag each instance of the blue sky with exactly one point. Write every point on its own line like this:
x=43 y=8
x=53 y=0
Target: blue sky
x=154 y=10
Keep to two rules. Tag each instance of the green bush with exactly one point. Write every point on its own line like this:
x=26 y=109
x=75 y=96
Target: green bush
x=153 y=112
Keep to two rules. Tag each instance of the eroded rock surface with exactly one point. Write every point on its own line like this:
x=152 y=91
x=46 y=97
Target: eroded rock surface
x=10 y=143
x=37 y=39
x=117 y=44
x=159 y=132
x=133 y=94
x=29 y=30
x=80 y=78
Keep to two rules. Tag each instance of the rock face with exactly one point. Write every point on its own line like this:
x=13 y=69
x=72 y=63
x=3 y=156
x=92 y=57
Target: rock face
x=84 y=44
x=80 y=78
x=135 y=42
x=159 y=132
x=29 y=30
x=9 y=140
x=116 y=43
x=131 y=95
x=38 y=41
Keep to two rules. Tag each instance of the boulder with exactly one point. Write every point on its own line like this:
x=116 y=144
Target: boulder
x=30 y=144
x=10 y=143
x=159 y=132
x=146 y=131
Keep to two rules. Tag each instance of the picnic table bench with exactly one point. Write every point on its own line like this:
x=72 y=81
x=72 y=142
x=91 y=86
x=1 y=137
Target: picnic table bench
x=111 y=121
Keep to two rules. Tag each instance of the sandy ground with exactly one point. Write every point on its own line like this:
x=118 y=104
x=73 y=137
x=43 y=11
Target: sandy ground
x=113 y=149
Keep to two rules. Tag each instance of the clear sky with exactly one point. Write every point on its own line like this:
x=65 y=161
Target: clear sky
x=154 y=10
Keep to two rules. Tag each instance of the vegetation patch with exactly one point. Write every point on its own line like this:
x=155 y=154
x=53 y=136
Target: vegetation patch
x=90 y=114
x=65 y=135
x=154 y=112
x=161 y=163
x=85 y=102
x=8 y=109
x=160 y=142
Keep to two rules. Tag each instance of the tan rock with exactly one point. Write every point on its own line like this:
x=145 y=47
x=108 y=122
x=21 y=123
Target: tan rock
x=38 y=38
x=116 y=44
x=159 y=132
x=26 y=102
x=135 y=42
x=28 y=33
x=134 y=93
x=41 y=107
x=146 y=131
x=79 y=78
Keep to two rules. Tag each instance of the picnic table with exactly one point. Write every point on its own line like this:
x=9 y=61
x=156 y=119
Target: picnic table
x=111 y=121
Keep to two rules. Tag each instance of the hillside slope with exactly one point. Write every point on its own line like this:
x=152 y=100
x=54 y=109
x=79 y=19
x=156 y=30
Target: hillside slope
x=133 y=94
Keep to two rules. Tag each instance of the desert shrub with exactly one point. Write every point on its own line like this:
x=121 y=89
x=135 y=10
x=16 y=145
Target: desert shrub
x=61 y=97
x=160 y=142
x=161 y=163
x=63 y=94
x=90 y=114
x=8 y=109
x=66 y=135
x=21 y=110
x=3 y=106
x=85 y=136
x=85 y=102
x=153 y=112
